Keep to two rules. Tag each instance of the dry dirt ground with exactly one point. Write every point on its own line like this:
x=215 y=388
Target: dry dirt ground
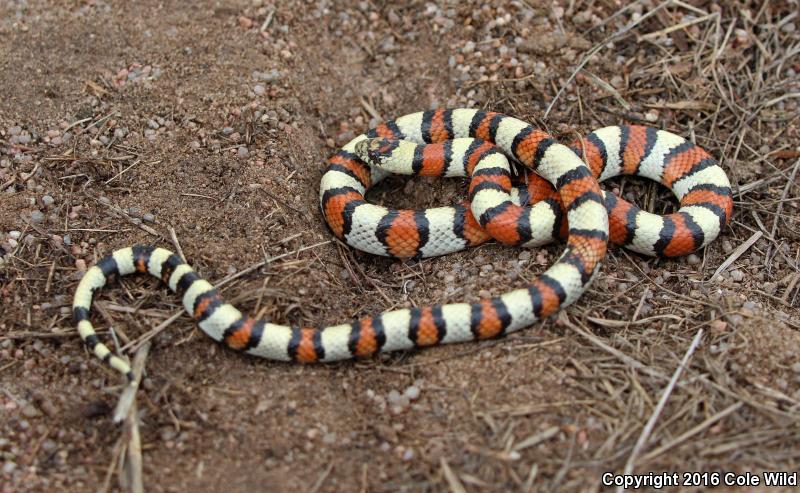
x=207 y=124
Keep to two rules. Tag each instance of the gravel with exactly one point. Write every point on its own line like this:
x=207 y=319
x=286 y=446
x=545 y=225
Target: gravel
x=726 y=246
x=412 y=393
x=270 y=76
x=29 y=411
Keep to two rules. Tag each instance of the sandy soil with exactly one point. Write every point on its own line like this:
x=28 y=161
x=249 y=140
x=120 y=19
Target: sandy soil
x=121 y=122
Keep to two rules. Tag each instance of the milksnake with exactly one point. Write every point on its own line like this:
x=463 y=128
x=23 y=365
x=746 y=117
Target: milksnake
x=699 y=183
x=459 y=142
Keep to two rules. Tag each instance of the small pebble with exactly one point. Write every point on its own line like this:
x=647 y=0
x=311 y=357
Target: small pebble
x=80 y=264
x=693 y=259
x=29 y=411
x=394 y=397
x=735 y=319
x=147 y=217
x=737 y=275
x=37 y=216
x=48 y=200
x=168 y=433
x=412 y=393
x=718 y=326
x=726 y=246
x=242 y=152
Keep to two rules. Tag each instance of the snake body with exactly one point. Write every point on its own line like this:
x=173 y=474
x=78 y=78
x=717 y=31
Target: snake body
x=696 y=179
x=458 y=143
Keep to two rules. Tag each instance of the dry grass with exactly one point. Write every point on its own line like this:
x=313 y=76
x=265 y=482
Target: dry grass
x=726 y=83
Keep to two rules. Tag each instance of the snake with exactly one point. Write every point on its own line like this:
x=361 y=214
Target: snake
x=560 y=198
x=697 y=180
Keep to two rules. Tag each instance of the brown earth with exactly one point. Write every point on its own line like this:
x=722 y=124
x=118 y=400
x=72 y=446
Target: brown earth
x=215 y=118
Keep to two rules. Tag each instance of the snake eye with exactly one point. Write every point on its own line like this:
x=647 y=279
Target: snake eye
x=376 y=145
x=381 y=146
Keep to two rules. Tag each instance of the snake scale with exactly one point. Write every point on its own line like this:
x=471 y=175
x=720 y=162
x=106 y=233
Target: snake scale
x=562 y=199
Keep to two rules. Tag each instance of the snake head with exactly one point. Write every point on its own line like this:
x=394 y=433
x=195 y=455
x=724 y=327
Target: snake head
x=376 y=151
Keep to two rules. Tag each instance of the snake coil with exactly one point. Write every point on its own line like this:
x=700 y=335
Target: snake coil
x=563 y=199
